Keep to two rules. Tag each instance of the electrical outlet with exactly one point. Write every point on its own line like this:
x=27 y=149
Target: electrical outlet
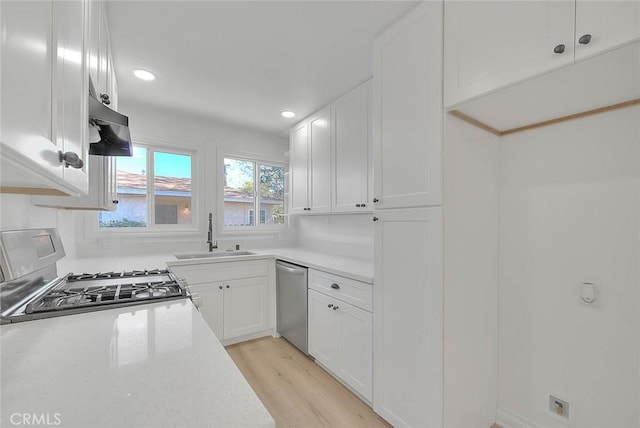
x=559 y=407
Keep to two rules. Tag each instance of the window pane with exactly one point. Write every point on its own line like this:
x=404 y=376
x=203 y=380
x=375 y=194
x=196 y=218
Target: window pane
x=271 y=194
x=239 y=193
x=172 y=188
x=131 y=182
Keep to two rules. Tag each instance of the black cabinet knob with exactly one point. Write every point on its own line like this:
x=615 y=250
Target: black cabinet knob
x=358 y=205
x=335 y=286
x=105 y=99
x=585 y=40
x=375 y=200
x=375 y=219
x=363 y=205
x=228 y=286
x=330 y=306
x=115 y=201
x=335 y=308
x=559 y=49
x=220 y=287
x=70 y=159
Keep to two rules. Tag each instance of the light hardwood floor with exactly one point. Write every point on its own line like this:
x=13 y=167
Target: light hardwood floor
x=295 y=390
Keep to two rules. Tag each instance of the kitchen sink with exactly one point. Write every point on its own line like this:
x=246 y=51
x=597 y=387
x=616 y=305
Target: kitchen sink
x=213 y=255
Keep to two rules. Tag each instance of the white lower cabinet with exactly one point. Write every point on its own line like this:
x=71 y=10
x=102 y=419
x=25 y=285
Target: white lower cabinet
x=234 y=298
x=408 y=308
x=340 y=339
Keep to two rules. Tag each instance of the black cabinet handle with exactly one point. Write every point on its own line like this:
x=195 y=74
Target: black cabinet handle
x=115 y=201
x=105 y=99
x=559 y=49
x=70 y=159
x=358 y=205
x=363 y=205
x=585 y=40
x=375 y=219
x=335 y=286
x=330 y=305
x=375 y=200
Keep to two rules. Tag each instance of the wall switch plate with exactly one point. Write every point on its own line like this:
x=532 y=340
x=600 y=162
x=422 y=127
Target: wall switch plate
x=590 y=294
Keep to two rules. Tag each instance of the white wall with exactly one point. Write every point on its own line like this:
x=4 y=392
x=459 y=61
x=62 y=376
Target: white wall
x=348 y=235
x=16 y=212
x=471 y=196
x=570 y=213
x=149 y=123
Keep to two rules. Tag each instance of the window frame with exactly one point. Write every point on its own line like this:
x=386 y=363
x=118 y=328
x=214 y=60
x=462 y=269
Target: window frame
x=158 y=229
x=257 y=228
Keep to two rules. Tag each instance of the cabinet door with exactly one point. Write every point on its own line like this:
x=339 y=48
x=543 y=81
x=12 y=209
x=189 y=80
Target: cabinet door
x=324 y=330
x=355 y=363
x=93 y=41
x=408 y=317
x=211 y=305
x=407 y=111
x=492 y=44
x=320 y=161
x=71 y=89
x=298 y=167
x=351 y=154
x=26 y=53
x=246 y=306
x=609 y=23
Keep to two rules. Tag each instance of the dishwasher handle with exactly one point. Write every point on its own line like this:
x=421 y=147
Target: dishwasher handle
x=290 y=270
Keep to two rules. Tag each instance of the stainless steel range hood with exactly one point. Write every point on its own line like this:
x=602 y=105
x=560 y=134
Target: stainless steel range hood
x=112 y=138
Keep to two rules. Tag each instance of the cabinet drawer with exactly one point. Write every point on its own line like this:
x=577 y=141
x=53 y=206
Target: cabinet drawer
x=348 y=290
x=214 y=272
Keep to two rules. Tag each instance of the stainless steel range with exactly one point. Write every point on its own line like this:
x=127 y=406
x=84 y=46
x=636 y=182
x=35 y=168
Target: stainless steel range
x=30 y=287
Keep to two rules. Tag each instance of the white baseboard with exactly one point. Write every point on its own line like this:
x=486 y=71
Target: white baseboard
x=247 y=337
x=506 y=419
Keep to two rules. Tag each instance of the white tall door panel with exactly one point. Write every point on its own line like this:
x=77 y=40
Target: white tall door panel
x=320 y=161
x=610 y=23
x=355 y=365
x=351 y=154
x=408 y=313
x=246 y=306
x=492 y=44
x=299 y=174
x=407 y=111
x=211 y=305
x=324 y=329
x=71 y=88
x=26 y=54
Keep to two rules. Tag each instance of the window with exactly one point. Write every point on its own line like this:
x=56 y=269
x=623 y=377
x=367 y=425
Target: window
x=154 y=191
x=241 y=200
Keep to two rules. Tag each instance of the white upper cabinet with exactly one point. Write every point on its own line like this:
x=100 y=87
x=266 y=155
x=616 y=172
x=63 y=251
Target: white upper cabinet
x=71 y=88
x=310 y=164
x=491 y=44
x=298 y=167
x=407 y=112
x=41 y=98
x=350 y=121
x=602 y=25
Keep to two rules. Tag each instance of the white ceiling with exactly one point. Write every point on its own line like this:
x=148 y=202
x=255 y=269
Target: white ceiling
x=246 y=61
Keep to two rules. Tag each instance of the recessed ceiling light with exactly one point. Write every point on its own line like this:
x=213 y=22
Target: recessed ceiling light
x=144 y=74
x=288 y=114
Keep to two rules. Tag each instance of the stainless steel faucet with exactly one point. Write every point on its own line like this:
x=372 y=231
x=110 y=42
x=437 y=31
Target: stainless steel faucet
x=210 y=240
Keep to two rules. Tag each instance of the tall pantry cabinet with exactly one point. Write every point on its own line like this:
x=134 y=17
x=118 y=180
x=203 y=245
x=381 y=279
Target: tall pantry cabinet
x=408 y=290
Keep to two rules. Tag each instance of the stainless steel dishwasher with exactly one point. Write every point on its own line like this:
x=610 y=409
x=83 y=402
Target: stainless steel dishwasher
x=291 y=291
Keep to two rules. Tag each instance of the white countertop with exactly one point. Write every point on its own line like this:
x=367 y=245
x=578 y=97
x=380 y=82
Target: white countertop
x=153 y=365
x=360 y=270
x=357 y=269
